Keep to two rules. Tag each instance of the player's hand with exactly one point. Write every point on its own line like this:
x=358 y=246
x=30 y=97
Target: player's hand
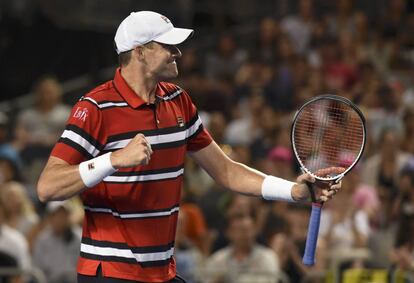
x=323 y=191
x=137 y=152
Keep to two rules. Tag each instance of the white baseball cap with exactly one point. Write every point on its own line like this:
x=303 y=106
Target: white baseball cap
x=142 y=27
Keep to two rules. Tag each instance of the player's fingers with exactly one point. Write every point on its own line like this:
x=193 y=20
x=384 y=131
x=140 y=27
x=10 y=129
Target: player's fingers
x=326 y=195
x=306 y=178
x=329 y=171
x=336 y=187
x=139 y=136
x=330 y=193
x=148 y=144
x=146 y=160
x=145 y=142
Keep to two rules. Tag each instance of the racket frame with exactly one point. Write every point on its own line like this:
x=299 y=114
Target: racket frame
x=338 y=177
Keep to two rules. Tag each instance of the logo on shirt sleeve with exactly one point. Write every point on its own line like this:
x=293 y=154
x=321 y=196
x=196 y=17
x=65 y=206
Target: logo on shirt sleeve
x=81 y=113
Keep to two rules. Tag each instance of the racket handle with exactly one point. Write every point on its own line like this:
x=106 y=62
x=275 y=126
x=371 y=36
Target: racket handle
x=312 y=237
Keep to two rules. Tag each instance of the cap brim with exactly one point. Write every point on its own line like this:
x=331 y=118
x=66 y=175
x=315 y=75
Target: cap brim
x=174 y=36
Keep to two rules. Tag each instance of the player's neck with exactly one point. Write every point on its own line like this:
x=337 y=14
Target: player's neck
x=142 y=85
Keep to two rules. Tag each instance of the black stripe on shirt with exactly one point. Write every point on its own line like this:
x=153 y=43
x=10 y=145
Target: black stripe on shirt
x=87 y=210
x=153 y=132
x=125 y=246
x=146 y=264
x=76 y=146
x=149 y=172
x=85 y=135
x=100 y=104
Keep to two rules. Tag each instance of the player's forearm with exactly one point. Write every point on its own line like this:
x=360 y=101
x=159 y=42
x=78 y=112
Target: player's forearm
x=60 y=182
x=242 y=179
x=246 y=180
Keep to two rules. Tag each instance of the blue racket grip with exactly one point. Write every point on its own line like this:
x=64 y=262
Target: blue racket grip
x=312 y=237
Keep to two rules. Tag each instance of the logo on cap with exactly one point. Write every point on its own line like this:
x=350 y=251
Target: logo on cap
x=91 y=166
x=166 y=19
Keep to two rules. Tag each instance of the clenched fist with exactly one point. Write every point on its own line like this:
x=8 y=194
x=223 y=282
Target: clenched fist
x=137 y=152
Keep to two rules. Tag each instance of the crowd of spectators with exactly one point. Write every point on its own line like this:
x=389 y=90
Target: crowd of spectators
x=247 y=89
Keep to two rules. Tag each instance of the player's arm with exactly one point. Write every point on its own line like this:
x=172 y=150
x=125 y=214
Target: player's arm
x=243 y=179
x=60 y=180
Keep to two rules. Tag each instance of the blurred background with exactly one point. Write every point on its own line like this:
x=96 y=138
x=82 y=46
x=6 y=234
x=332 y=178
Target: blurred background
x=249 y=65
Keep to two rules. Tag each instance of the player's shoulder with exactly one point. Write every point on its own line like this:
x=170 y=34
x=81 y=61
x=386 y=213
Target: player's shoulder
x=102 y=95
x=171 y=91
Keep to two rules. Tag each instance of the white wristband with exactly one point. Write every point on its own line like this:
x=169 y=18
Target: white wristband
x=95 y=170
x=274 y=188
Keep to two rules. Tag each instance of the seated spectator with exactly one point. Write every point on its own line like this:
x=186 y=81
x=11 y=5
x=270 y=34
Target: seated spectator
x=9 y=171
x=407 y=143
x=299 y=27
x=243 y=260
x=6 y=149
x=383 y=168
x=13 y=243
x=285 y=233
x=404 y=202
x=188 y=257
x=39 y=127
x=225 y=60
x=19 y=211
x=280 y=160
x=402 y=255
x=42 y=124
x=194 y=224
x=265 y=43
x=345 y=226
x=56 y=249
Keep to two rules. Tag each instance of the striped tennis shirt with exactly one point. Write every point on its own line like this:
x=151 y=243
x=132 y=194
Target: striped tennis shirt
x=131 y=216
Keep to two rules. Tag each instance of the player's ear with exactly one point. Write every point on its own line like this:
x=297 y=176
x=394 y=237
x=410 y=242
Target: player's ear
x=139 y=53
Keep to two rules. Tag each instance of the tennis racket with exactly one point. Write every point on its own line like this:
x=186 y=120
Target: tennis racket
x=328 y=138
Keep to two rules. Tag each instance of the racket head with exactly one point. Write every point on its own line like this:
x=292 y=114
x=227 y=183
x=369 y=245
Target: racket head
x=328 y=137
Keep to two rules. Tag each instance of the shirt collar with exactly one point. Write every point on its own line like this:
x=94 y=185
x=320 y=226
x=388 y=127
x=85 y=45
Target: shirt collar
x=129 y=95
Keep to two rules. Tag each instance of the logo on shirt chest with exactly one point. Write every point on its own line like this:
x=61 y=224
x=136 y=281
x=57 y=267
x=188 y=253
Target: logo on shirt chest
x=81 y=114
x=180 y=121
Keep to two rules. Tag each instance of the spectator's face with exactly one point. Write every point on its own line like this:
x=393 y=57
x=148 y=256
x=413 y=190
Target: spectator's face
x=3 y=133
x=267 y=29
x=390 y=144
x=217 y=126
x=241 y=232
x=226 y=45
x=13 y=199
x=240 y=206
x=306 y=7
x=409 y=122
x=59 y=220
x=6 y=171
x=49 y=93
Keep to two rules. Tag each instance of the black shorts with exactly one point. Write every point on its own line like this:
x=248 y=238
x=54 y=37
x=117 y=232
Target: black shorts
x=98 y=278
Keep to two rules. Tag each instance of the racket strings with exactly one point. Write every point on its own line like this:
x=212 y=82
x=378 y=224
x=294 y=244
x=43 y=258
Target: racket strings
x=326 y=134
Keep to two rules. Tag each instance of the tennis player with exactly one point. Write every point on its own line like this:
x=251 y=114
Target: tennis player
x=123 y=151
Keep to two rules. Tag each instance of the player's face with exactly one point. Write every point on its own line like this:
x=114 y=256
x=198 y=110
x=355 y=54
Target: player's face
x=161 y=60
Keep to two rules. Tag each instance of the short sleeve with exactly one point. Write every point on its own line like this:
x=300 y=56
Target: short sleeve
x=197 y=136
x=83 y=137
